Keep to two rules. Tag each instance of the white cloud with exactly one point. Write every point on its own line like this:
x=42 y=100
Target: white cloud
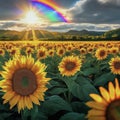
x=60 y=27
x=78 y=7
x=114 y=2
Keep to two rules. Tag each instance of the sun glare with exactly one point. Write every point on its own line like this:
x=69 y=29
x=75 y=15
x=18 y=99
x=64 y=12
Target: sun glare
x=31 y=17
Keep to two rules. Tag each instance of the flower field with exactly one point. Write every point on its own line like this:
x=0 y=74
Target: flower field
x=60 y=80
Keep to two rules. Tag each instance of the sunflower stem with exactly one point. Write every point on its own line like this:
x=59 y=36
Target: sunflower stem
x=69 y=96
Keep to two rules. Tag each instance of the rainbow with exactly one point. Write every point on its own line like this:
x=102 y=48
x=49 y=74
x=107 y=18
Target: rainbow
x=50 y=10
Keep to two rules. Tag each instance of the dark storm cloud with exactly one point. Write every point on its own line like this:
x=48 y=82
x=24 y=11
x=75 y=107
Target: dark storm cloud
x=11 y=9
x=96 y=11
x=65 y=3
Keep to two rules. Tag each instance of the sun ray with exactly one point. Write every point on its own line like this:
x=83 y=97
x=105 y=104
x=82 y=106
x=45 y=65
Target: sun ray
x=25 y=37
x=34 y=35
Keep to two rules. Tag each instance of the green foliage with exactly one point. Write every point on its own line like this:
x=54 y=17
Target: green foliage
x=55 y=104
x=66 y=96
x=73 y=116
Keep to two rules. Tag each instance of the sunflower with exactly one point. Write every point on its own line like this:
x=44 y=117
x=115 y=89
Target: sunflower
x=69 y=48
x=114 y=50
x=24 y=82
x=69 y=65
x=2 y=52
x=14 y=51
x=42 y=53
x=90 y=49
x=28 y=50
x=51 y=52
x=101 y=53
x=60 y=51
x=115 y=65
x=83 y=51
x=106 y=106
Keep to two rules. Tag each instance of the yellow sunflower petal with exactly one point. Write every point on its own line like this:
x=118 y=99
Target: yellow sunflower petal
x=28 y=102
x=105 y=94
x=97 y=118
x=111 y=91
x=95 y=112
x=98 y=98
x=21 y=104
x=34 y=99
x=9 y=95
x=14 y=101
x=117 y=88
x=96 y=105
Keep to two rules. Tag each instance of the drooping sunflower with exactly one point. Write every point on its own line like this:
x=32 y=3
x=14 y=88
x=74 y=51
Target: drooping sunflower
x=115 y=65
x=106 y=106
x=101 y=53
x=24 y=82
x=69 y=65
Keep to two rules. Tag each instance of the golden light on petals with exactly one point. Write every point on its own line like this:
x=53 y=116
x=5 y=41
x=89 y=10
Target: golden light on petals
x=69 y=65
x=115 y=65
x=106 y=106
x=101 y=53
x=24 y=82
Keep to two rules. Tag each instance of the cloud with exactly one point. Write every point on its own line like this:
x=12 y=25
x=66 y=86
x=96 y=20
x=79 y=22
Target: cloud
x=60 y=27
x=65 y=3
x=93 y=11
x=113 y=2
x=84 y=14
x=12 y=9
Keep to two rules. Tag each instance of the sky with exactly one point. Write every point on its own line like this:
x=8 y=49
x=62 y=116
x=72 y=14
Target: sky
x=92 y=15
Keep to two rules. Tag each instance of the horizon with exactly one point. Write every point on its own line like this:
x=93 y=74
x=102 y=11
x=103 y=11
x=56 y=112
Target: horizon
x=59 y=31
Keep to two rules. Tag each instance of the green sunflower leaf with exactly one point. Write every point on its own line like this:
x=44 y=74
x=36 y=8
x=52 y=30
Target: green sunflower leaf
x=91 y=70
x=80 y=91
x=55 y=104
x=57 y=91
x=73 y=116
x=104 y=79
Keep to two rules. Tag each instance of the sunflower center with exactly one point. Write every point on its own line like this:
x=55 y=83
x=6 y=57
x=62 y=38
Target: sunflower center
x=51 y=53
x=69 y=48
x=1 y=52
x=70 y=66
x=102 y=53
x=117 y=65
x=113 y=111
x=13 y=52
x=29 y=51
x=24 y=82
x=41 y=54
x=61 y=52
x=114 y=51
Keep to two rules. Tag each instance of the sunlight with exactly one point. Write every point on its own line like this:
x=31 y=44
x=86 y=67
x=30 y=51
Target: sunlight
x=31 y=17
